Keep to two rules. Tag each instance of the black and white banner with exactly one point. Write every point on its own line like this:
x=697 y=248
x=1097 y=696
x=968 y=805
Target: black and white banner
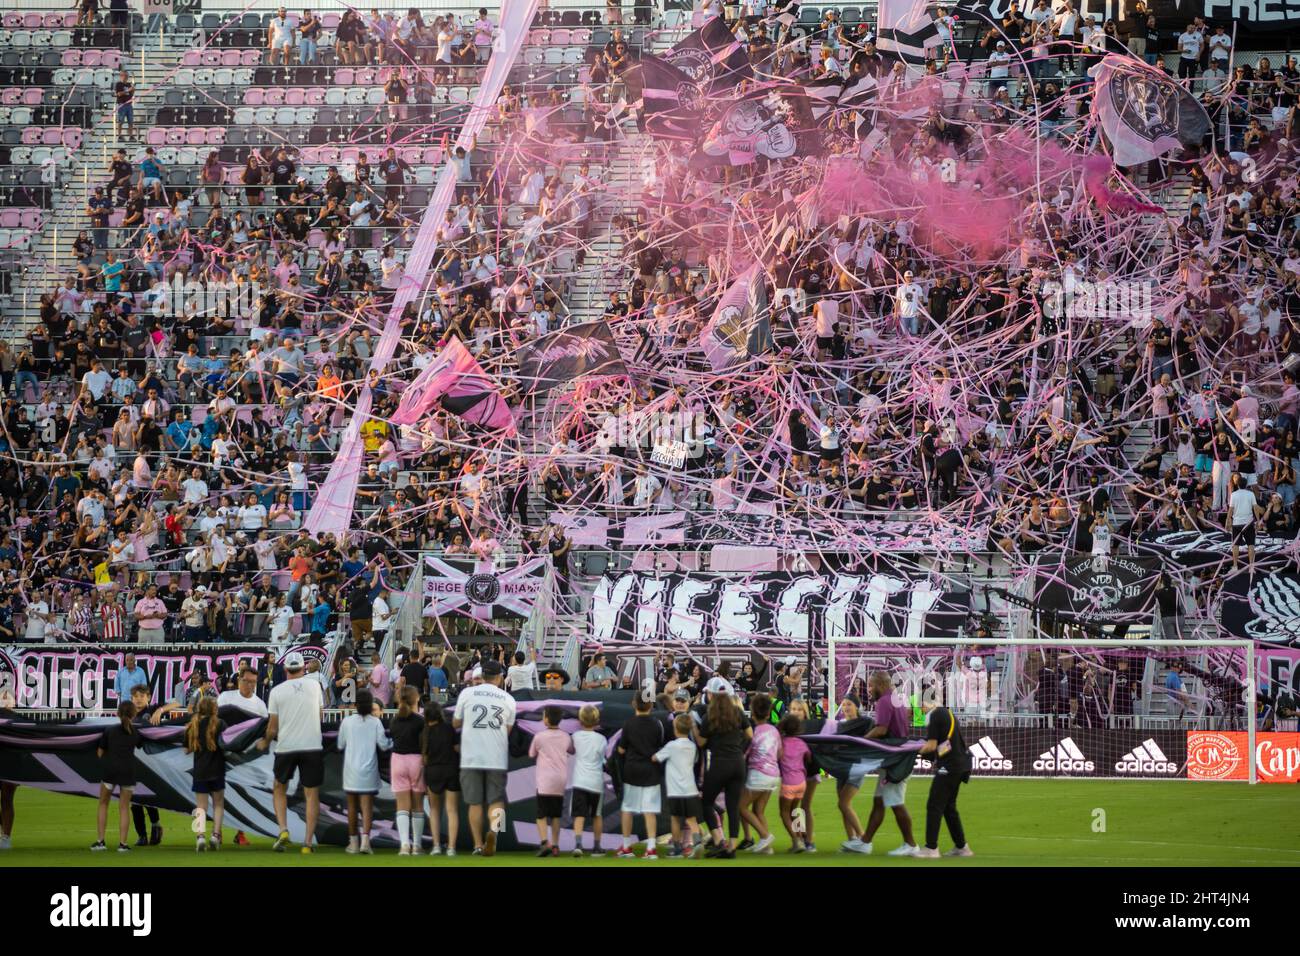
x=478 y=589
x=1253 y=19
x=1098 y=590
x=1199 y=549
x=1264 y=606
x=774 y=609
x=561 y=357
x=72 y=677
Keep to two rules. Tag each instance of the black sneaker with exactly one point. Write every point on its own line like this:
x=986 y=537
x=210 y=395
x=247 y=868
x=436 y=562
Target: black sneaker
x=155 y=836
x=712 y=851
x=544 y=850
x=142 y=840
x=98 y=845
x=123 y=848
x=744 y=845
x=727 y=855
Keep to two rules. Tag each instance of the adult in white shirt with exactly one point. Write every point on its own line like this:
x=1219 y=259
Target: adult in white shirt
x=361 y=737
x=484 y=715
x=381 y=614
x=1242 y=511
x=1189 y=52
x=279 y=37
x=97 y=380
x=38 y=619
x=245 y=698
x=907 y=304
x=522 y=675
x=999 y=67
x=252 y=517
x=1220 y=48
x=295 y=708
x=279 y=618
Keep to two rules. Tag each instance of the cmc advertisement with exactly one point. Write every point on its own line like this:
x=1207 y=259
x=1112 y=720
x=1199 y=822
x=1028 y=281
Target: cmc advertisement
x=1222 y=755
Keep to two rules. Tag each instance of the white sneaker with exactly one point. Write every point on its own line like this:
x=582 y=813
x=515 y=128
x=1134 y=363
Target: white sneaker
x=905 y=850
x=960 y=851
x=856 y=846
x=365 y=846
x=451 y=851
x=352 y=846
x=6 y=843
x=201 y=845
x=405 y=850
x=925 y=853
x=436 y=851
x=764 y=845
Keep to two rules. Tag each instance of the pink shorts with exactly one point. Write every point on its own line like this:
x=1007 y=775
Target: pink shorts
x=407 y=773
x=793 y=791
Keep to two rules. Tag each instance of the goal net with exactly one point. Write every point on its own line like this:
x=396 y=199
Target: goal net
x=1102 y=708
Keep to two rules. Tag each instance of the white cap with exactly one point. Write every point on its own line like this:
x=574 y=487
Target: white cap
x=719 y=685
x=293 y=661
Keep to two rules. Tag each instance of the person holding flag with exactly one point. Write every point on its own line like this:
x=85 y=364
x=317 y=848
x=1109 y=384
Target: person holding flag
x=952 y=767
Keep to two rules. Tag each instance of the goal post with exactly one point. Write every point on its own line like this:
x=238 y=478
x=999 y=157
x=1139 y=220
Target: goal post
x=1075 y=708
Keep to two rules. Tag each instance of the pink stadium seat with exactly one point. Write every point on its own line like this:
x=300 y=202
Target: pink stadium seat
x=32 y=218
x=52 y=136
x=11 y=96
x=560 y=38
x=10 y=219
x=156 y=136
x=71 y=57
x=111 y=59
x=231 y=58
x=329 y=155
x=307 y=155
x=192 y=58
x=250 y=58
x=295 y=96
x=31 y=135
x=330 y=21
x=254 y=96
x=216 y=135
x=92 y=58
x=432 y=156
x=196 y=136
x=273 y=96
x=32 y=96
x=176 y=136
x=115 y=220
x=363 y=77
x=12 y=20
x=211 y=57
x=411 y=154
x=71 y=137
x=32 y=21
x=70 y=19
x=53 y=21
x=315 y=96
x=343 y=76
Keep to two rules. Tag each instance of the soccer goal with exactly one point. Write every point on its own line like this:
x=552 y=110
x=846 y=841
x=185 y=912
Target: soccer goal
x=1149 y=709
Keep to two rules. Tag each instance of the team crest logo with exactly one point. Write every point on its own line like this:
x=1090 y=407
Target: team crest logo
x=482 y=588
x=732 y=327
x=694 y=63
x=1145 y=105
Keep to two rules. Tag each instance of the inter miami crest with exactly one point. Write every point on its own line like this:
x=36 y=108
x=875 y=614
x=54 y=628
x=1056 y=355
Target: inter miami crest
x=1146 y=105
x=482 y=589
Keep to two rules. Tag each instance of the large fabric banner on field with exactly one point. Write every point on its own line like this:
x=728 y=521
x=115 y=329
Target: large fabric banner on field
x=60 y=757
x=479 y=590
x=561 y=357
x=1264 y=606
x=72 y=677
x=775 y=609
x=1098 y=590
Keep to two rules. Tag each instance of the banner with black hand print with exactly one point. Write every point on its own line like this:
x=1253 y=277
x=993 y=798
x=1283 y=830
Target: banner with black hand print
x=1263 y=606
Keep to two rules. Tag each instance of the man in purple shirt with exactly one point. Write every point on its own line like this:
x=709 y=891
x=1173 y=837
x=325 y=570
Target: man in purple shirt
x=893 y=719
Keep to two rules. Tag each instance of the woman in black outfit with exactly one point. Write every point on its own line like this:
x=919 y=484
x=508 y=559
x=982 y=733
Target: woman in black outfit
x=117 y=764
x=750 y=680
x=441 y=777
x=724 y=735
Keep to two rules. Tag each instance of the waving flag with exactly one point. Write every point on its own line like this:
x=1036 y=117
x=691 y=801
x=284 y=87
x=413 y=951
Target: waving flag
x=478 y=590
x=738 y=328
x=1143 y=112
x=712 y=58
x=560 y=357
x=456 y=381
x=672 y=100
x=906 y=30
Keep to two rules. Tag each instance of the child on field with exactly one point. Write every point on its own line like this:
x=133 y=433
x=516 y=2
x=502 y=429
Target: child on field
x=678 y=758
x=551 y=749
x=203 y=740
x=764 y=774
x=588 y=780
x=361 y=737
x=796 y=766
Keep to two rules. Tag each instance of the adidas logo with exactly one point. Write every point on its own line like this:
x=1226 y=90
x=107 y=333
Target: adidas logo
x=1147 y=757
x=987 y=756
x=1065 y=757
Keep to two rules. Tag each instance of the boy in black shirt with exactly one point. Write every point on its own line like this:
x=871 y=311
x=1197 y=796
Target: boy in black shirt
x=952 y=769
x=642 y=737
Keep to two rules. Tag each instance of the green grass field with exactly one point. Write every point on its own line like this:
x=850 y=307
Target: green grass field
x=1008 y=823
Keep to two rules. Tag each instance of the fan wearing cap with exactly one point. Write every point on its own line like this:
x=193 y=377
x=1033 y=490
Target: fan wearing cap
x=907 y=304
x=952 y=769
x=554 y=678
x=296 y=708
x=999 y=67
x=484 y=715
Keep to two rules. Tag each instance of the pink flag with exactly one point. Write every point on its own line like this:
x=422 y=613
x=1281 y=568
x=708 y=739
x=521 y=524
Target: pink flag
x=666 y=528
x=456 y=379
